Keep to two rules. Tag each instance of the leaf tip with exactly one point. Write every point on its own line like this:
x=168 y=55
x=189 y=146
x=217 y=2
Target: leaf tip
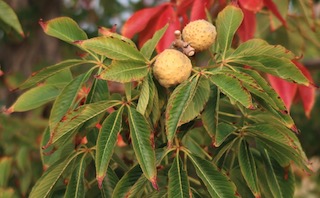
x=100 y=180
x=43 y=24
x=154 y=183
x=294 y=128
x=8 y=111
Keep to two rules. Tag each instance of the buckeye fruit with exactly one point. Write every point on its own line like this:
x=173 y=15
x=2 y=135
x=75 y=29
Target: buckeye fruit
x=200 y=34
x=172 y=67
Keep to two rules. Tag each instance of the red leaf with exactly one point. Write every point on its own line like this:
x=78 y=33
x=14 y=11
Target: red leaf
x=271 y=6
x=252 y=5
x=198 y=9
x=248 y=26
x=183 y=6
x=139 y=20
x=286 y=90
x=147 y=33
x=306 y=93
x=168 y=16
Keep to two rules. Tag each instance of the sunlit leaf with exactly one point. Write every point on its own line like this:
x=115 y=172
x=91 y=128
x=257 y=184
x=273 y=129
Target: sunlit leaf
x=148 y=48
x=50 y=71
x=35 y=98
x=63 y=28
x=228 y=21
x=112 y=48
x=125 y=71
x=274 y=60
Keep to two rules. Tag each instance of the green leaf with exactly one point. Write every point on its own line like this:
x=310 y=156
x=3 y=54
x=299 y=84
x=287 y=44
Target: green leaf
x=274 y=60
x=286 y=179
x=109 y=183
x=228 y=21
x=261 y=47
x=282 y=143
x=248 y=168
x=306 y=8
x=125 y=71
x=193 y=143
x=210 y=115
x=148 y=48
x=5 y=171
x=8 y=193
x=106 y=142
x=177 y=104
x=267 y=88
x=178 y=180
x=217 y=183
x=137 y=188
x=76 y=185
x=127 y=181
x=79 y=116
x=197 y=102
x=60 y=79
x=223 y=131
x=9 y=17
x=140 y=133
x=233 y=88
x=270 y=175
x=99 y=91
x=144 y=96
x=112 y=48
x=45 y=184
x=282 y=116
x=108 y=33
x=50 y=71
x=63 y=28
x=252 y=85
x=65 y=100
x=242 y=188
x=35 y=98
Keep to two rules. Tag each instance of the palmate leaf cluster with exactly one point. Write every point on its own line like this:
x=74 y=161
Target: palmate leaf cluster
x=222 y=133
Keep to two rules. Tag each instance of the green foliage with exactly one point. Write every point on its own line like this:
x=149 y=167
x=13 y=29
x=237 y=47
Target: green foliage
x=9 y=17
x=148 y=141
